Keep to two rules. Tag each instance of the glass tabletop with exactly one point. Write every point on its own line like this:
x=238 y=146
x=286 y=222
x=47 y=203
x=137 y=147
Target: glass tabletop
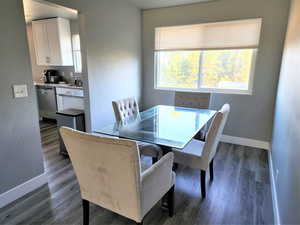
x=167 y=126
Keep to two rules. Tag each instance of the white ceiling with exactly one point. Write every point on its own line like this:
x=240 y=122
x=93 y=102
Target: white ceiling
x=149 y=4
x=38 y=9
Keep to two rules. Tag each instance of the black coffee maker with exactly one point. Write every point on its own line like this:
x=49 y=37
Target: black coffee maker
x=52 y=77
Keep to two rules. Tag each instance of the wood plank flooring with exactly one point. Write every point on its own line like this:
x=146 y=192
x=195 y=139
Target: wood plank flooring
x=240 y=193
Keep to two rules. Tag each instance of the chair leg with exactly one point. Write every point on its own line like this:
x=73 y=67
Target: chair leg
x=175 y=166
x=86 y=211
x=154 y=160
x=171 y=200
x=211 y=170
x=203 y=185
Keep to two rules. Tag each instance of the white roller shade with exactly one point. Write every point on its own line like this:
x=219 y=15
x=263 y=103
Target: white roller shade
x=224 y=35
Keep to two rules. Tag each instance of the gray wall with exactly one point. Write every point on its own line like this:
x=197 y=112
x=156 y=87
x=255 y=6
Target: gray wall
x=20 y=147
x=111 y=36
x=286 y=139
x=251 y=116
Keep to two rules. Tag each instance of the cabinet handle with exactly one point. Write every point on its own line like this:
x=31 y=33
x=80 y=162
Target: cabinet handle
x=48 y=60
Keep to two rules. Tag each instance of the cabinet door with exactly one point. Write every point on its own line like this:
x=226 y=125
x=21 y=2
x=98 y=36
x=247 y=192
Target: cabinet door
x=54 y=42
x=40 y=40
x=65 y=41
x=71 y=102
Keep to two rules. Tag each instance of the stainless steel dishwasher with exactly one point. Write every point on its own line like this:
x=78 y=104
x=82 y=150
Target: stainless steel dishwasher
x=47 y=101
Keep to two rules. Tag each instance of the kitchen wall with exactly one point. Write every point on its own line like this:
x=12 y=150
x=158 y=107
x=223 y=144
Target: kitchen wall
x=20 y=150
x=67 y=72
x=286 y=137
x=111 y=36
x=251 y=115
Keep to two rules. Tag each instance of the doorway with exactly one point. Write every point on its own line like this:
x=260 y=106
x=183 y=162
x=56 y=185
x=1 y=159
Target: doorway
x=53 y=34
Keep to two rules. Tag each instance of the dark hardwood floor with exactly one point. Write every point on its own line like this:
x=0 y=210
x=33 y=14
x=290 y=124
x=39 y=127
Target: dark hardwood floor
x=240 y=193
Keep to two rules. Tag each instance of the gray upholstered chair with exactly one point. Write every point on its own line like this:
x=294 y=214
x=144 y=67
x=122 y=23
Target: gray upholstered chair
x=109 y=174
x=194 y=100
x=200 y=155
x=127 y=108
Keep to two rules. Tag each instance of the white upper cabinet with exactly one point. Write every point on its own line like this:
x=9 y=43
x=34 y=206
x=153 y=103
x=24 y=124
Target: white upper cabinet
x=52 y=42
x=41 y=43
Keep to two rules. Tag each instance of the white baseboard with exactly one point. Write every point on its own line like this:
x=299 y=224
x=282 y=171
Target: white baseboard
x=277 y=220
x=22 y=189
x=246 y=142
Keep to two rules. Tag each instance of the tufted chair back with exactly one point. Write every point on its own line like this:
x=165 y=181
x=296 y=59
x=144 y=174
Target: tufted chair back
x=192 y=100
x=196 y=101
x=125 y=108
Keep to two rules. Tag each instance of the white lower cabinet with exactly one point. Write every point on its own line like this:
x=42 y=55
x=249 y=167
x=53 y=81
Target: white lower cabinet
x=68 y=98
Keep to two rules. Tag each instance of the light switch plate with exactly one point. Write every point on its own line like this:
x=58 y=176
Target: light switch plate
x=20 y=91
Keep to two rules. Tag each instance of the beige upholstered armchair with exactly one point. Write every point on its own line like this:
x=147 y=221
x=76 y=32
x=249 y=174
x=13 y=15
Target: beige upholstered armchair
x=127 y=108
x=200 y=155
x=194 y=100
x=109 y=174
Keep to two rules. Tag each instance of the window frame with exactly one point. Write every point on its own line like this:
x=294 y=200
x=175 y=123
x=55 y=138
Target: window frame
x=74 y=52
x=209 y=90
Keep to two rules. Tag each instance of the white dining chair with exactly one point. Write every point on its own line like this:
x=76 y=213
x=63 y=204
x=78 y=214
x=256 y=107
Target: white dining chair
x=125 y=109
x=109 y=175
x=200 y=155
x=194 y=100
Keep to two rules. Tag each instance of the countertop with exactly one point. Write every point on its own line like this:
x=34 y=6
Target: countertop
x=59 y=85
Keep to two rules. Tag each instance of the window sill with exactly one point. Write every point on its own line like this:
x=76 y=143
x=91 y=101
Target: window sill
x=206 y=90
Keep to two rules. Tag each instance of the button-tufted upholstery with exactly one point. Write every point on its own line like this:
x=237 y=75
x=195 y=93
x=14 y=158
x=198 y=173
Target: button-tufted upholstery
x=109 y=173
x=126 y=108
x=194 y=100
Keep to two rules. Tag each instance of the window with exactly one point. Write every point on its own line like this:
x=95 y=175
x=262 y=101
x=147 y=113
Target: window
x=210 y=70
x=218 y=57
x=77 y=53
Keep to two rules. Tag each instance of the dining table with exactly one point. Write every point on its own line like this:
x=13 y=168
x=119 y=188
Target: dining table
x=166 y=126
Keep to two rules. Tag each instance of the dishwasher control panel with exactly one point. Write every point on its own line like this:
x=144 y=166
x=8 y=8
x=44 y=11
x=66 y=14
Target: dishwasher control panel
x=70 y=92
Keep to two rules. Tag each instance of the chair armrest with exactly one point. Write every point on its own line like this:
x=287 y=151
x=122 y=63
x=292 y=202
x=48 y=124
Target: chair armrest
x=156 y=182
